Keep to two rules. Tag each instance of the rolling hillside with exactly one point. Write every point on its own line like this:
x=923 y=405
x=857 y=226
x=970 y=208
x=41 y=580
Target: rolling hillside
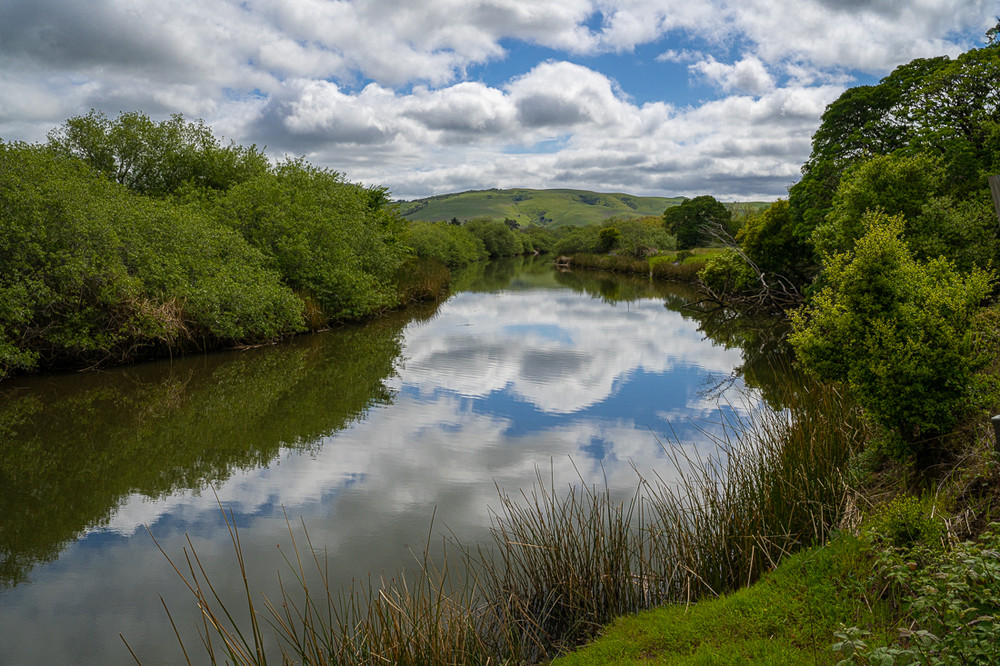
x=547 y=208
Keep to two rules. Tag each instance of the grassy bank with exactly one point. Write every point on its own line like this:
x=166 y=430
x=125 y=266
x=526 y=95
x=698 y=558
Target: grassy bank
x=789 y=617
x=682 y=265
x=911 y=576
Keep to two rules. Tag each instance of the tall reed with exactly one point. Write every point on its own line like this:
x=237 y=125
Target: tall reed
x=562 y=563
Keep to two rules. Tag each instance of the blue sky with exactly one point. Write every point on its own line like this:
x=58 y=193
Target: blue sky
x=657 y=97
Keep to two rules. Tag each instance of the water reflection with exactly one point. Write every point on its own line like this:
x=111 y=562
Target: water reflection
x=74 y=447
x=364 y=432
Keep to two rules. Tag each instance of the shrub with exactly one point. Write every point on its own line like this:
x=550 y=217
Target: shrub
x=951 y=608
x=327 y=238
x=728 y=273
x=497 y=237
x=157 y=158
x=453 y=246
x=93 y=272
x=897 y=331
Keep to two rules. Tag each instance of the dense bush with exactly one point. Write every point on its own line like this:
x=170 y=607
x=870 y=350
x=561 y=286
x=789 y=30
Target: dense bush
x=640 y=238
x=452 y=245
x=636 y=238
x=498 y=239
x=578 y=240
x=537 y=239
x=728 y=273
x=330 y=240
x=157 y=158
x=90 y=272
x=897 y=331
x=124 y=237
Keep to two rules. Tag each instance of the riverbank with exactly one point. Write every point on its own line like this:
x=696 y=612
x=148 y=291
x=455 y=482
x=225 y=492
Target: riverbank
x=910 y=575
x=683 y=265
x=788 y=617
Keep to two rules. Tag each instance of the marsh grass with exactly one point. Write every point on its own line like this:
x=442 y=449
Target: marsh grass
x=421 y=279
x=663 y=267
x=562 y=562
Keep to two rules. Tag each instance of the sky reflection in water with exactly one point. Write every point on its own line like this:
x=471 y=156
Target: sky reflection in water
x=494 y=388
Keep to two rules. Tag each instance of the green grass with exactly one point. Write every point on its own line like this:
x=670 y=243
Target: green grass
x=788 y=617
x=547 y=208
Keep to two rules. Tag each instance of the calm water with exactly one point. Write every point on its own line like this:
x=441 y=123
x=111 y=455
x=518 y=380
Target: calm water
x=363 y=432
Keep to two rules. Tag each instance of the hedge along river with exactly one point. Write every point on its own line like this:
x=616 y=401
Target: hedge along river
x=363 y=432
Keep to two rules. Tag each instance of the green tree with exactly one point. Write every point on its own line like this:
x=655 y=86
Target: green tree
x=322 y=236
x=643 y=237
x=896 y=184
x=693 y=220
x=157 y=158
x=768 y=240
x=897 y=331
x=452 y=246
x=609 y=238
x=865 y=121
x=915 y=187
x=496 y=236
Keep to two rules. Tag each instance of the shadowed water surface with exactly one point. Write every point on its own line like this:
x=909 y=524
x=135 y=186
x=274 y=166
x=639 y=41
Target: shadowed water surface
x=363 y=432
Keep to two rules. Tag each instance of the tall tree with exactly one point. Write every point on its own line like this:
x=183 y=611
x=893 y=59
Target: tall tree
x=693 y=221
x=157 y=158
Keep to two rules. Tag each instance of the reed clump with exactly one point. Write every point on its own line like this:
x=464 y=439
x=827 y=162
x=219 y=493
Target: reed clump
x=421 y=279
x=562 y=563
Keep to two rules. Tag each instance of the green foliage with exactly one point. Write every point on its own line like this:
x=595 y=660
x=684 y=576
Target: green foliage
x=578 y=240
x=895 y=184
x=215 y=279
x=452 y=245
x=952 y=607
x=65 y=292
x=497 y=237
x=964 y=231
x=936 y=107
x=896 y=331
x=94 y=273
x=906 y=523
x=769 y=241
x=864 y=122
x=641 y=238
x=692 y=222
x=321 y=235
x=728 y=273
x=540 y=240
x=608 y=237
x=157 y=158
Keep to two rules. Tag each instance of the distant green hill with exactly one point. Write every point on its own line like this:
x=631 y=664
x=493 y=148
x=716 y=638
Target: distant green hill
x=547 y=208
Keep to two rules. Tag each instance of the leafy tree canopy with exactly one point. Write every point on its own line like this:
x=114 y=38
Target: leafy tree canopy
x=693 y=220
x=157 y=158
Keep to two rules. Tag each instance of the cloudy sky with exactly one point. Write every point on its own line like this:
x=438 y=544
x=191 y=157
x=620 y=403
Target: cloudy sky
x=660 y=97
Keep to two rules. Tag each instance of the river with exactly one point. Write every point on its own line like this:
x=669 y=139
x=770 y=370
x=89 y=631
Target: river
x=362 y=433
